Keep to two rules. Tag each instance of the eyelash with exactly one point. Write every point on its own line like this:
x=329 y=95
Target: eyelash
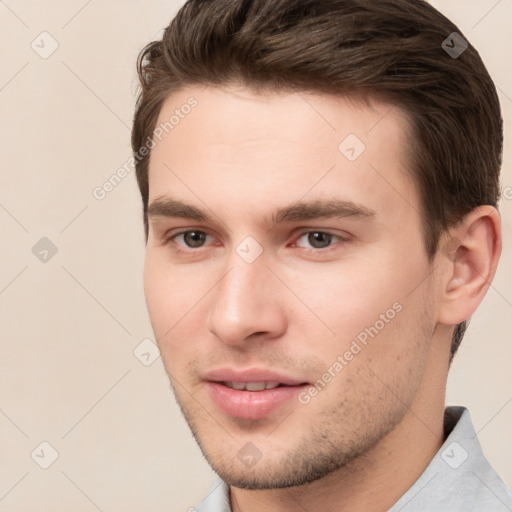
x=309 y=250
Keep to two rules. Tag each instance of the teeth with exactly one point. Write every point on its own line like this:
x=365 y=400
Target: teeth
x=255 y=386
x=251 y=386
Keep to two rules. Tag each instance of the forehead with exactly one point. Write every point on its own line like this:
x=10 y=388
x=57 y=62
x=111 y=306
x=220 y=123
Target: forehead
x=249 y=150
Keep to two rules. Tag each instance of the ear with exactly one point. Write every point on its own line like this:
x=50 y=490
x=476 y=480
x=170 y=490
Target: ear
x=468 y=260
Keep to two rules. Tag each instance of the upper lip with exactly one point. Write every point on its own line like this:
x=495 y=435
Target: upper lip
x=251 y=375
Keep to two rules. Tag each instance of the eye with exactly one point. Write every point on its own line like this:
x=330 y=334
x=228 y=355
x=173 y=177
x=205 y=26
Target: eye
x=192 y=239
x=317 y=239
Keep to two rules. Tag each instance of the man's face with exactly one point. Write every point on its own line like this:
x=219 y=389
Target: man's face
x=281 y=252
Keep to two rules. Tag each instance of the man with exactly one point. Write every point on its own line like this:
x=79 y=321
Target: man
x=319 y=182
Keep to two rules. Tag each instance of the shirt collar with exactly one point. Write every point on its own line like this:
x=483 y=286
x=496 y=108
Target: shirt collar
x=459 y=477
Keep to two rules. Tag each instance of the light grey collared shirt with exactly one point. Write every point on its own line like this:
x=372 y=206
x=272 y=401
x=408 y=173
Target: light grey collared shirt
x=458 y=479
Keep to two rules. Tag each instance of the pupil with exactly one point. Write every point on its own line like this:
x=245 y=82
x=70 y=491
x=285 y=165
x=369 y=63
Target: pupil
x=319 y=240
x=194 y=238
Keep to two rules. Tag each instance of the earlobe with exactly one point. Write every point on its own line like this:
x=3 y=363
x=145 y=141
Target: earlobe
x=469 y=259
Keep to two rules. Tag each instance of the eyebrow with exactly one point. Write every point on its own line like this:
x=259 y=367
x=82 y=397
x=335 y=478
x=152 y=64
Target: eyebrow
x=164 y=207
x=300 y=211
x=333 y=208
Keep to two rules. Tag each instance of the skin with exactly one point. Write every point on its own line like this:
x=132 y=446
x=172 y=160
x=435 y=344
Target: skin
x=240 y=156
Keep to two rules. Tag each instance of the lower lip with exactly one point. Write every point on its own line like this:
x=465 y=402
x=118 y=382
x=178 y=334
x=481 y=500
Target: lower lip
x=250 y=405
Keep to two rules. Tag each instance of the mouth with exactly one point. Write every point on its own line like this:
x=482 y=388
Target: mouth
x=251 y=394
x=251 y=386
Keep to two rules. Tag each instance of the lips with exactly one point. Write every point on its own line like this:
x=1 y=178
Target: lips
x=251 y=394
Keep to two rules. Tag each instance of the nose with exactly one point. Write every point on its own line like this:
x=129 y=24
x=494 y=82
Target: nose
x=248 y=303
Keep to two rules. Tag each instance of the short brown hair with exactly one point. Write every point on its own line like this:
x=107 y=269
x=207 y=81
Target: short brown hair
x=398 y=49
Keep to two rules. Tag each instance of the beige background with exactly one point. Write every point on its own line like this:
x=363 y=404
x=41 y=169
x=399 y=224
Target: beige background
x=69 y=326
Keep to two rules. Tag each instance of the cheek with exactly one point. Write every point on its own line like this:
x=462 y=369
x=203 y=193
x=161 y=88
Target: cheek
x=159 y=299
x=175 y=304
x=349 y=298
x=166 y=299
x=380 y=299
x=170 y=290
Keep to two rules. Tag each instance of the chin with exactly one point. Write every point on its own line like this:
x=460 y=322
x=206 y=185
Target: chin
x=298 y=467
